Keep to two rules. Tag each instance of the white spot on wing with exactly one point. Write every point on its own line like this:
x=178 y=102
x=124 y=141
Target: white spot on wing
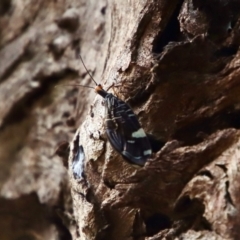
x=139 y=133
x=147 y=152
x=131 y=141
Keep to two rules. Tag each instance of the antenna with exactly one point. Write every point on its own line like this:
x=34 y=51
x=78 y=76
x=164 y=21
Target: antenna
x=87 y=71
x=74 y=85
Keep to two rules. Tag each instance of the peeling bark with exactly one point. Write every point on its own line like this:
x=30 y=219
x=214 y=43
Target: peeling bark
x=178 y=76
x=176 y=63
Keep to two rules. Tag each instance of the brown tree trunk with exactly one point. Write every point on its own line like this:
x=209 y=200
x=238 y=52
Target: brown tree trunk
x=176 y=63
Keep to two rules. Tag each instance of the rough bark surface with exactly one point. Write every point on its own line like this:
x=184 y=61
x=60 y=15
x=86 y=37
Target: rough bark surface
x=177 y=65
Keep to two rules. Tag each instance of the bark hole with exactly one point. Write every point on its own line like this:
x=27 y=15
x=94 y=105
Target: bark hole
x=171 y=32
x=156 y=223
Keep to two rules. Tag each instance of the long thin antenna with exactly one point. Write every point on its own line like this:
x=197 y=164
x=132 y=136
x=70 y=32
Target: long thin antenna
x=74 y=85
x=87 y=70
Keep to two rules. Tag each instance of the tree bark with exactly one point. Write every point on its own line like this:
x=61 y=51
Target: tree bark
x=176 y=66
x=176 y=63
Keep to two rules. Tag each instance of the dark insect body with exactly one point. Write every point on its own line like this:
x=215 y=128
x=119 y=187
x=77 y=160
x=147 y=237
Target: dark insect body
x=123 y=129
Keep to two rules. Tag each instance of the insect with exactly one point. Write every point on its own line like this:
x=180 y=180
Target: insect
x=123 y=129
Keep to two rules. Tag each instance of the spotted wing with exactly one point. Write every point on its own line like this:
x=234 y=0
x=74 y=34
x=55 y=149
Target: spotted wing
x=124 y=131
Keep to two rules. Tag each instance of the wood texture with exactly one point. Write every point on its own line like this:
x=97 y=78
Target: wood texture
x=176 y=63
